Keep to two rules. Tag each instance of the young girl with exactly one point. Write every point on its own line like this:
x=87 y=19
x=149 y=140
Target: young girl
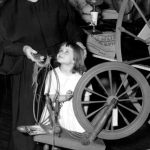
x=59 y=86
x=62 y=81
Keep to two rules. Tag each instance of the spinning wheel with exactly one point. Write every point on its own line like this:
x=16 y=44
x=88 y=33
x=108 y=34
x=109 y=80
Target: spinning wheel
x=119 y=94
x=107 y=82
x=120 y=28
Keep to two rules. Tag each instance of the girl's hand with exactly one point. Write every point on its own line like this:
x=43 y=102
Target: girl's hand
x=66 y=97
x=32 y=54
x=69 y=95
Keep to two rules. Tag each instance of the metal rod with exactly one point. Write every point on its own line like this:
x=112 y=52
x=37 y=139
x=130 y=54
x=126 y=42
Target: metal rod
x=137 y=60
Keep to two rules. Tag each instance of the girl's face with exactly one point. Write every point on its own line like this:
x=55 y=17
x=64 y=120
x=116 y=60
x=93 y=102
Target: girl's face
x=65 y=55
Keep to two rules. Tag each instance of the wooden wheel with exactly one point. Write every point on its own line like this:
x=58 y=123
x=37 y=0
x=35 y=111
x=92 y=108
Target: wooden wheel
x=103 y=83
x=135 y=12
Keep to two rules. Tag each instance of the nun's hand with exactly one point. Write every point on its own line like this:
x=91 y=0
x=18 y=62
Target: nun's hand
x=32 y=54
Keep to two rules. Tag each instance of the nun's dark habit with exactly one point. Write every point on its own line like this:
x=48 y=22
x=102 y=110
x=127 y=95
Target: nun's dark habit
x=43 y=26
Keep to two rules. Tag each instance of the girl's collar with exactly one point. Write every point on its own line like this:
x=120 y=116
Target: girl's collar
x=65 y=73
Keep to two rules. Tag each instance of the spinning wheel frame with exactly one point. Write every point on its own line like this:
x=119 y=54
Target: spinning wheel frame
x=130 y=73
x=120 y=28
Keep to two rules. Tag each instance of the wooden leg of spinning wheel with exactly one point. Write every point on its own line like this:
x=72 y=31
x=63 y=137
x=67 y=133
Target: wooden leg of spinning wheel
x=88 y=138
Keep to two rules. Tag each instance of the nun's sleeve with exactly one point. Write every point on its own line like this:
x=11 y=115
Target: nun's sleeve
x=11 y=58
x=75 y=33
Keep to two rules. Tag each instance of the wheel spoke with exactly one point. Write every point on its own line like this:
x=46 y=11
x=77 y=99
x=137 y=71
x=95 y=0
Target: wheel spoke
x=132 y=99
x=110 y=81
x=93 y=92
x=123 y=117
x=94 y=112
x=129 y=90
x=130 y=110
x=98 y=116
x=98 y=80
x=125 y=78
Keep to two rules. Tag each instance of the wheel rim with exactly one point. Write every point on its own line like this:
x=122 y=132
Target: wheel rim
x=132 y=99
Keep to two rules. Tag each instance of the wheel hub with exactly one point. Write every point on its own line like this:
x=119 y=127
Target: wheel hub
x=110 y=98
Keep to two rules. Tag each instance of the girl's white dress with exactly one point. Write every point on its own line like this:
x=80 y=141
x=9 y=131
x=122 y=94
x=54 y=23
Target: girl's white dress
x=67 y=118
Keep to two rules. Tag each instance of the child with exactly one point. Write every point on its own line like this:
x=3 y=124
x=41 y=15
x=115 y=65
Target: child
x=62 y=81
x=59 y=86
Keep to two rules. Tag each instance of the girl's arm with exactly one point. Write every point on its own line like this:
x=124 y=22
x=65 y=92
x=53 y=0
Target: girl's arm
x=62 y=98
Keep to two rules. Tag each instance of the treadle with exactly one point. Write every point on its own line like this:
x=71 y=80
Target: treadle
x=67 y=141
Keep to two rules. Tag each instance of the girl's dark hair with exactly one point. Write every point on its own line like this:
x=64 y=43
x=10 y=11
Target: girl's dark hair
x=79 y=65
